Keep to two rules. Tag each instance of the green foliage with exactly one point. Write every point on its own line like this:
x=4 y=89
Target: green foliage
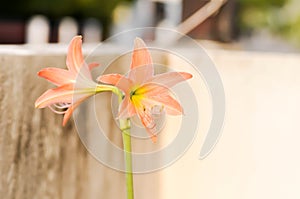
x=81 y=8
x=262 y=3
x=257 y=13
x=281 y=17
x=55 y=9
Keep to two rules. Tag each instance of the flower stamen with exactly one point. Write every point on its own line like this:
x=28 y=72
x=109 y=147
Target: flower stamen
x=59 y=108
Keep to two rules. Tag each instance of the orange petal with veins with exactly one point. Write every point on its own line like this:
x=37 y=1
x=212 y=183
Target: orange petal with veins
x=75 y=58
x=170 y=79
x=70 y=110
x=148 y=122
x=141 y=65
x=126 y=109
x=57 y=76
x=118 y=80
x=171 y=105
x=56 y=95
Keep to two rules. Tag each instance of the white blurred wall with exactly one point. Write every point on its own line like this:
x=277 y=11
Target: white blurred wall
x=257 y=155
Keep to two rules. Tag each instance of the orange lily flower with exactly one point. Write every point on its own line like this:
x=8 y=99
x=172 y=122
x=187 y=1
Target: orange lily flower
x=66 y=96
x=144 y=91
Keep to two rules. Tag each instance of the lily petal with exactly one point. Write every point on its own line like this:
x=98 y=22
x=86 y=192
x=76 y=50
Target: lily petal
x=118 y=80
x=171 y=105
x=148 y=122
x=112 y=79
x=141 y=57
x=126 y=109
x=170 y=79
x=70 y=110
x=57 y=76
x=63 y=94
x=151 y=89
x=75 y=58
x=155 y=94
x=93 y=65
x=60 y=94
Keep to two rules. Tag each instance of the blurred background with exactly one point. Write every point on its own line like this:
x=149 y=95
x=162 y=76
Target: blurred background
x=254 y=45
x=248 y=24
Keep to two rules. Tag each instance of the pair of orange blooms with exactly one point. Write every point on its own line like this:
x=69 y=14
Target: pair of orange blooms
x=142 y=89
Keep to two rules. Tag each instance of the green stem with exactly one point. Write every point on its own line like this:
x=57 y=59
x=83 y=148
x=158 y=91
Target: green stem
x=125 y=128
x=103 y=87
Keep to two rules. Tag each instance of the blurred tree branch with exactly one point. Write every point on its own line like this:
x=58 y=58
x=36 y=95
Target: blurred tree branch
x=200 y=16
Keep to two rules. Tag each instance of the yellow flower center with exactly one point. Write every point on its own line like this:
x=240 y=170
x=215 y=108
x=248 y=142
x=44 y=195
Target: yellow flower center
x=136 y=96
